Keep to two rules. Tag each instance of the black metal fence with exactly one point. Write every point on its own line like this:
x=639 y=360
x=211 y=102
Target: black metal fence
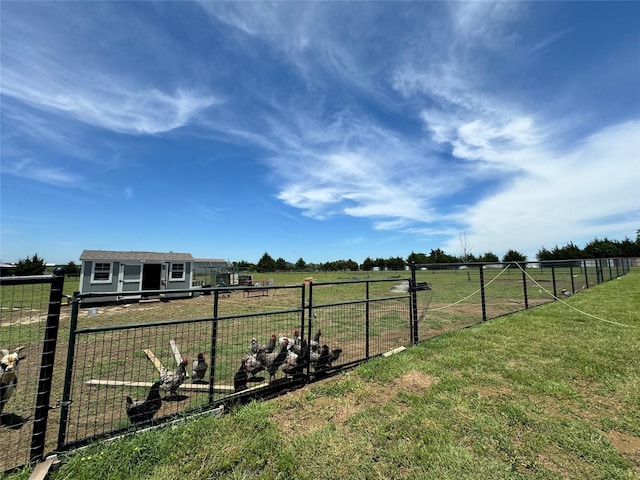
x=29 y=321
x=109 y=352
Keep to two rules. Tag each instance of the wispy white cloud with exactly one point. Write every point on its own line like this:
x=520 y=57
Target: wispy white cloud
x=40 y=172
x=573 y=196
x=57 y=75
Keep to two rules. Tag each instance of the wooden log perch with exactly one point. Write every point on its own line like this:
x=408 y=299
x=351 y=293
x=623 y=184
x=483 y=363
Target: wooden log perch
x=153 y=358
x=184 y=386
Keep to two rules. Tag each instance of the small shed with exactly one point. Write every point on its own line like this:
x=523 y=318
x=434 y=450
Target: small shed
x=7 y=269
x=128 y=274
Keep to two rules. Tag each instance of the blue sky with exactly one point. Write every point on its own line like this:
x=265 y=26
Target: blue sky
x=322 y=131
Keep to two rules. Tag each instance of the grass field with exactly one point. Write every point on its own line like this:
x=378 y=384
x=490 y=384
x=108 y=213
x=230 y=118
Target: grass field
x=549 y=393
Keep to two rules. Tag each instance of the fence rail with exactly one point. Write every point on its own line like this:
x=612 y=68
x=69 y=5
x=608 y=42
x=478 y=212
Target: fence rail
x=83 y=363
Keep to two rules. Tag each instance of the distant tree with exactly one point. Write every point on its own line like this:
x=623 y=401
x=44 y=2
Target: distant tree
x=602 y=248
x=30 y=266
x=368 y=264
x=417 y=258
x=243 y=265
x=301 y=264
x=514 y=256
x=489 y=257
x=465 y=249
x=351 y=265
x=71 y=268
x=439 y=256
x=266 y=263
x=395 y=263
x=544 y=254
x=281 y=264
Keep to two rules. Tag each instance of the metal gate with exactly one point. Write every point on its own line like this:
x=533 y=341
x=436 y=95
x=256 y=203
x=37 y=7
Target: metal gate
x=29 y=321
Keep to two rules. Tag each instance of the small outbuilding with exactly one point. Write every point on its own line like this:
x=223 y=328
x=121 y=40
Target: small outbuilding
x=130 y=274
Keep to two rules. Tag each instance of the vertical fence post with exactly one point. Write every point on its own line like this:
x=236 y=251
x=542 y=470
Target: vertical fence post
x=524 y=289
x=367 y=324
x=553 y=280
x=599 y=274
x=41 y=413
x=414 y=334
x=214 y=336
x=573 y=284
x=302 y=310
x=586 y=275
x=483 y=299
x=68 y=373
x=310 y=317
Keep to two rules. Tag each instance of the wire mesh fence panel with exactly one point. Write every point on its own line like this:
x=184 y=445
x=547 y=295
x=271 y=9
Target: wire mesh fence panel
x=389 y=324
x=112 y=364
x=252 y=351
x=454 y=300
x=342 y=328
x=23 y=316
x=504 y=292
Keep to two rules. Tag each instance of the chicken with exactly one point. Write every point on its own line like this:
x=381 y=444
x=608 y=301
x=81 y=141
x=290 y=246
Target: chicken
x=272 y=361
x=143 y=410
x=199 y=368
x=315 y=343
x=172 y=380
x=294 y=363
x=8 y=374
x=241 y=377
x=253 y=365
x=269 y=347
x=325 y=357
x=296 y=339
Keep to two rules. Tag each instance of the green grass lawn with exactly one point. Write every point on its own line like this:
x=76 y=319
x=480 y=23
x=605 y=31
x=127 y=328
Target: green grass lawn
x=548 y=393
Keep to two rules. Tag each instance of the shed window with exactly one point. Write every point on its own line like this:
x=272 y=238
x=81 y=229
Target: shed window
x=101 y=272
x=177 y=271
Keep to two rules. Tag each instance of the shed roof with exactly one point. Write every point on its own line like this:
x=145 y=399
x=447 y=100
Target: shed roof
x=111 y=255
x=210 y=260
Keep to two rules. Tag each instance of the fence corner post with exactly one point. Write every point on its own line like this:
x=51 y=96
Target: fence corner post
x=43 y=396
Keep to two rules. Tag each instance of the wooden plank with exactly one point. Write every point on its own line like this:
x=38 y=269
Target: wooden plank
x=184 y=386
x=42 y=469
x=153 y=358
x=395 y=350
x=176 y=354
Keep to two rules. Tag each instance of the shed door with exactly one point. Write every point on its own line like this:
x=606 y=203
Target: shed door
x=130 y=278
x=151 y=276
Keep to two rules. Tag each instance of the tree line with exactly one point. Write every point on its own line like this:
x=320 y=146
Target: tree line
x=597 y=248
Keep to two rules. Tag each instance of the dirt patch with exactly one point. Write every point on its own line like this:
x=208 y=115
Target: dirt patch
x=493 y=391
x=626 y=444
x=315 y=413
x=412 y=382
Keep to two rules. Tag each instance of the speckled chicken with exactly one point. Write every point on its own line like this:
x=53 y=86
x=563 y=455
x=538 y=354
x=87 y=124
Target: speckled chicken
x=172 y=380
x=272 y=361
